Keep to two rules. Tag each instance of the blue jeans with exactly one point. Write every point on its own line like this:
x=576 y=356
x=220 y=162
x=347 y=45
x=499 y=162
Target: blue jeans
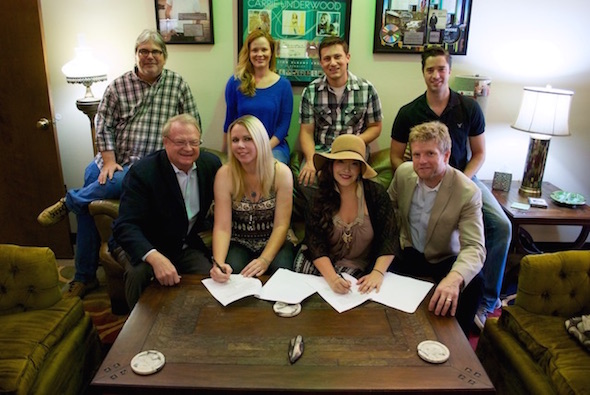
x=239 y=256
x=498 y=233
x=281 y=154
x=87 y=238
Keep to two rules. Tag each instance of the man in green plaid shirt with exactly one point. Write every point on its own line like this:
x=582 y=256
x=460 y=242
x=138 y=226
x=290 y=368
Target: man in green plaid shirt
x=130 y=117
x=337 y=103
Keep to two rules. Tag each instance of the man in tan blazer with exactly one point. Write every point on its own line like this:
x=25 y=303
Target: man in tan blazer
x=441 y=226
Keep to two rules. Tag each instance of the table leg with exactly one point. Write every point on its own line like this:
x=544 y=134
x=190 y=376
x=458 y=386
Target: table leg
x=525 y=242
x=581 y=240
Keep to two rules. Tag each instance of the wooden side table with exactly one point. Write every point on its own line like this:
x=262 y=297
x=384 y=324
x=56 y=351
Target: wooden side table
x=552 y=215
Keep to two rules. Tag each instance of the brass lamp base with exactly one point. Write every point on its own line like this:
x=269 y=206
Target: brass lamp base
x=89 y=106
x=532 y=178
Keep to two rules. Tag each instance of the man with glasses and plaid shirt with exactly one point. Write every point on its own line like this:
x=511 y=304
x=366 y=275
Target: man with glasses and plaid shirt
x=337 y=103
x=130 y=117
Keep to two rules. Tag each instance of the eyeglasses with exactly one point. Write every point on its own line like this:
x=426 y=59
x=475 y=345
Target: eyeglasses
x=156 y=53
x=183 y=143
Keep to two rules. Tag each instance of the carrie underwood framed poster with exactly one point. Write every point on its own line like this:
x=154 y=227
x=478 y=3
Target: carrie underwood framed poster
x=298 y=27
x=185 y=21
x=410 y=26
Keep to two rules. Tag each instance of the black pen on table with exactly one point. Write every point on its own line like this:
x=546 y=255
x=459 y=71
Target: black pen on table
x=218 y=265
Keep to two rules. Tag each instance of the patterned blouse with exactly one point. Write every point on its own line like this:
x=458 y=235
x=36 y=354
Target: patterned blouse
x=352 y=242
x=253 y=222
x=385 y=234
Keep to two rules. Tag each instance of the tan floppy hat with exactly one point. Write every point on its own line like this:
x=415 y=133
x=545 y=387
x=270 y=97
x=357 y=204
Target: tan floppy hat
x=346 y=146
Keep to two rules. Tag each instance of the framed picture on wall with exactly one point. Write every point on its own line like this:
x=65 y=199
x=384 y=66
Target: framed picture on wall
x=410 y=26
x=185 y=21
x=298 y=27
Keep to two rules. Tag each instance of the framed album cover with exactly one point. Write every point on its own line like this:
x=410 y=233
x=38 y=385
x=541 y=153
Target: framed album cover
x=298 y=27
x=410 y=26
x=185 y=21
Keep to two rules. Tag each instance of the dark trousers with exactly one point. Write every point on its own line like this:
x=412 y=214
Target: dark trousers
x=239 y=257
x=413 y=263
x=138 y=277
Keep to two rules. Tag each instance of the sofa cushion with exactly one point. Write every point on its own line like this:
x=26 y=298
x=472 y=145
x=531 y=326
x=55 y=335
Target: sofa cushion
x=510 y=367
x=555 y=284
x=28 y=279
x=380 y=162
x=27 y=337
x=557 y=353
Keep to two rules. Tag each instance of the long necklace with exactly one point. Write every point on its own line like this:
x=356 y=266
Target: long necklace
x=250 y=225
x=347 y=228
x=347 y=236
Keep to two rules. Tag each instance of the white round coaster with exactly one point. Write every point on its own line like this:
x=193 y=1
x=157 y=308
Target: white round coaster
x=433 y=351
x=148 y=362
x=286 y=310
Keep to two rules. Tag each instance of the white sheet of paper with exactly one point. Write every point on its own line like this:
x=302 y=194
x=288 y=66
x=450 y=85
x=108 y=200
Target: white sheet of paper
x=340 y=302
x=398 y=292
x=401 y=292
x=286 y=286
x=236 y=288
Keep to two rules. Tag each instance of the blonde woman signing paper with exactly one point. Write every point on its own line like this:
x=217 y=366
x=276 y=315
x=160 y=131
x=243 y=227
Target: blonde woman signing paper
x=350 y=226
x=253 y=202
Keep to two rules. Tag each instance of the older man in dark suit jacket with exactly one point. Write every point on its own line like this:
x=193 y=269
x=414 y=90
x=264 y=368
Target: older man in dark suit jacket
x=441 y=224
x=164 y=205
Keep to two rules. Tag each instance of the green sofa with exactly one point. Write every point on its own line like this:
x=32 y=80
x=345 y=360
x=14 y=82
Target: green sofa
x=48 y=345
x=105 y=212
x=527 y=350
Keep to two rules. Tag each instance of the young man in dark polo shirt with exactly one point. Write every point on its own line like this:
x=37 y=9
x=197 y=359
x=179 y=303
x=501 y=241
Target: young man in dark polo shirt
x=466 y=125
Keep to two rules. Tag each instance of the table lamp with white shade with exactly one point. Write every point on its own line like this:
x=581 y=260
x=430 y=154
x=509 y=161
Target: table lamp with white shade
x=544 y=112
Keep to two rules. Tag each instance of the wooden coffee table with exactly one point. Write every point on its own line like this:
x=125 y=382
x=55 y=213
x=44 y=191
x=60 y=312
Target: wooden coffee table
x=243 y=348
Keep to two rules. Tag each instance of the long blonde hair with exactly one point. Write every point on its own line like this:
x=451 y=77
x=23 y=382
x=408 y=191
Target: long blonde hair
x=264 y=158
x=245 y=70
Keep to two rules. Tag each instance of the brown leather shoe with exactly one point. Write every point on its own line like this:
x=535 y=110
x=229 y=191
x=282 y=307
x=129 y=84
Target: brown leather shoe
x=79 y=289
x=53 y=214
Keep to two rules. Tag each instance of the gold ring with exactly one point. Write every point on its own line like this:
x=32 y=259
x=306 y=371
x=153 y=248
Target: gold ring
x=449 y=299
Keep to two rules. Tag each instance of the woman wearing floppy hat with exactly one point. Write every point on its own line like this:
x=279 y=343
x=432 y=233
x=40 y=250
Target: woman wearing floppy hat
x=350 y=226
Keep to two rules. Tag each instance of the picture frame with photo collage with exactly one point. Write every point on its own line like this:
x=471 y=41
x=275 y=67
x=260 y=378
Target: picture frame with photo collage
x=185 y=21
x=298 y=27
x=411 y=26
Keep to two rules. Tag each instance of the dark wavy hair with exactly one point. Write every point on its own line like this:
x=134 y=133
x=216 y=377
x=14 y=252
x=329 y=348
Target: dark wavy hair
x=327 y=199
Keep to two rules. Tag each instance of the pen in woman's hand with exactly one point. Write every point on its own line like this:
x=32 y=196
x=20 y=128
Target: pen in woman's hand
x=342 y=277
x=218 y=265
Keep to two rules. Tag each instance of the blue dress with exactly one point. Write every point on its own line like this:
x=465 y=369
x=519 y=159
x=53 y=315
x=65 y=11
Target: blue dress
x=272 y=105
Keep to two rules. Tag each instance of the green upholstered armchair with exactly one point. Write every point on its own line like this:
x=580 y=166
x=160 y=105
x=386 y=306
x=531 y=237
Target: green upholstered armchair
x=48 y=345
x=528 y=350
x=104 y=213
